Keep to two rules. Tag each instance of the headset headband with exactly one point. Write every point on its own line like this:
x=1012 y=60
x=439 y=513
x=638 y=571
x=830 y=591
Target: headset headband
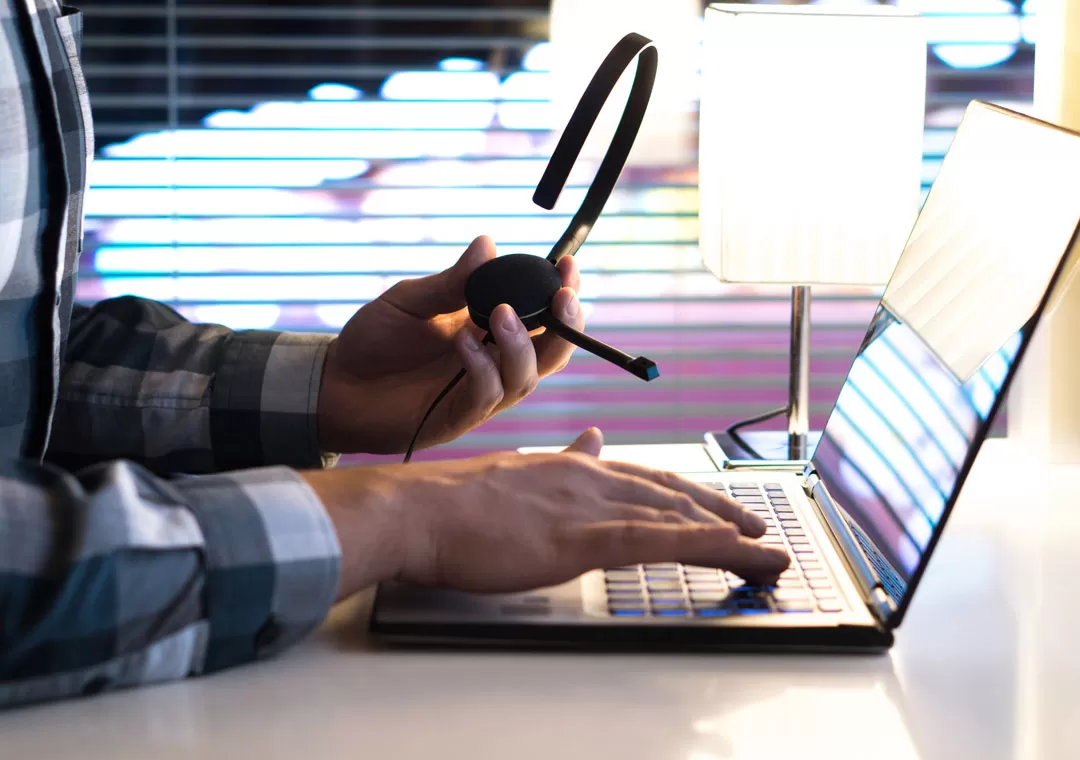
x=577 y=130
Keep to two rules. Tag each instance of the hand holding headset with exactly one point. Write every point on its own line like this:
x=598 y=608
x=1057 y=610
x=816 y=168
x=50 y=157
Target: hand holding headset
x=528 y=283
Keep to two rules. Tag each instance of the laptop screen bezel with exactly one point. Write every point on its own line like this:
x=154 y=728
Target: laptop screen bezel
x=1028 y=332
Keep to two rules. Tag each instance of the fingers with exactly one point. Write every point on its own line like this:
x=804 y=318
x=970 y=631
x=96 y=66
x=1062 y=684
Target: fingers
x=636 y=490
x=552 y=352
x=517 y=357
x=484 y=385
x=636 y=513
x=571 y=275
x=712 y=500
x=590 y=442
x=618 y=544
x=443 y=292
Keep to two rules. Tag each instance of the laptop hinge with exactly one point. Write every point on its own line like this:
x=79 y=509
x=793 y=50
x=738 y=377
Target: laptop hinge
x=869 y=582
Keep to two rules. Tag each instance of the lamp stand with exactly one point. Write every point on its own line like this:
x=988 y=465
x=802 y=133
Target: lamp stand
x=798 y=442
x=799 y=379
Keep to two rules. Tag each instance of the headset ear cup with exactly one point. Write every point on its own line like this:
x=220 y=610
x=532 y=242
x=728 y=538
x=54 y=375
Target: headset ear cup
x=527 y=283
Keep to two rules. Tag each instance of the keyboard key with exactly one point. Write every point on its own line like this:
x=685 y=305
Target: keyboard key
x=714 y=612
x=771 y=541
x=820 y=583
x=625 y=606
x=773 y=487
x=830 y=605
x=815 y=574
x=623 y=585
x=666 y=604
x=794 y=532
x=824 y=593
x=666 y=595
x=795 y=606
x=802 y=549
x=669 y=566
x=627 y=613
x=625 y=596
x=789 y=583
x=790 y=573
x=706 y=604
x=672 y=613
x=788 y=595
x=621 y=575
x=658 y=575
x=709 y=596
x=798 y=540
x=664 y=586
x=706 y=587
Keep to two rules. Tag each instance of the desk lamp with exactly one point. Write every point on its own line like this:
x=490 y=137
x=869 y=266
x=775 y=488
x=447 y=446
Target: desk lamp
x=810 y=151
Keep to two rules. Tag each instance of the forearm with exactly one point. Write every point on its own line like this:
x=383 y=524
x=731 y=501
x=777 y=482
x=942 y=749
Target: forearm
x=142 y=383
x=113 y=578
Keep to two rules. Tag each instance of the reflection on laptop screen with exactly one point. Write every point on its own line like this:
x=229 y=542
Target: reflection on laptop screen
x=953 y=319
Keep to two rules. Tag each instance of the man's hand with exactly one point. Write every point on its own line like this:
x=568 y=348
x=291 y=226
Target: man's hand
x=514 y=522
x=400 y=350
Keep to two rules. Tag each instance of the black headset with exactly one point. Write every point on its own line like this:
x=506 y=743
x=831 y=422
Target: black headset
x=528 y=283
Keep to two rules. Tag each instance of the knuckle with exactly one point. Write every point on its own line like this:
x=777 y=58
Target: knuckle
x=684 y=504
x=669 y=480
x=578 y=463
x=493 y=395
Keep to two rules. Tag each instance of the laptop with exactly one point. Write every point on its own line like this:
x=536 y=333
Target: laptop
x=993 y=246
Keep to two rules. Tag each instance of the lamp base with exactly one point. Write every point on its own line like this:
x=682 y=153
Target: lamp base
x=769 y=444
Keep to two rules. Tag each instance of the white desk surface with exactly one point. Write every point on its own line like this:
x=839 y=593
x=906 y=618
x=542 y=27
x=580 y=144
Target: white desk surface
x=987 y=666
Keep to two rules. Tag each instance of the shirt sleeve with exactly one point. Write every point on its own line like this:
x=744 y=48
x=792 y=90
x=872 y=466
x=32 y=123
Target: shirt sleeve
x=112 y=578
x=140 y=382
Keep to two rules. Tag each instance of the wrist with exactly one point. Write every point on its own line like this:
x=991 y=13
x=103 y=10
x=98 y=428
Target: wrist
x=360 y=505
x=326 y=431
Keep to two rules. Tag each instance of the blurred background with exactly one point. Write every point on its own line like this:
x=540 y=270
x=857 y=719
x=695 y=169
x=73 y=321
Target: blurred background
x=275 y=165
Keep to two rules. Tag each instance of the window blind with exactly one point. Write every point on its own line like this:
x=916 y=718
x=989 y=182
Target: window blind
x=277 y=165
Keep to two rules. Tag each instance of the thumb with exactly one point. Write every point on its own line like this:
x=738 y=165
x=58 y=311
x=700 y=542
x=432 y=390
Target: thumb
x=590 y=442
x=443 y=292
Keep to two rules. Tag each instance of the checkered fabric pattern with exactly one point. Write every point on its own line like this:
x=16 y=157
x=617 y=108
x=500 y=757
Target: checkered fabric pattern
x=112 y=575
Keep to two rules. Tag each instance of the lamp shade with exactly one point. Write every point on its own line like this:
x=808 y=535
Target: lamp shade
x=811 y=140
x=584 y=31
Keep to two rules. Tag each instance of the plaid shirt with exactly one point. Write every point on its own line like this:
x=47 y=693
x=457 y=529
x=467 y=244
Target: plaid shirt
x=110 y=575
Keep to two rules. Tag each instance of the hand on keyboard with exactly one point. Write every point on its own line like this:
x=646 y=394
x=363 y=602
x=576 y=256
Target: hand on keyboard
x=673 y=590
x=512 y=522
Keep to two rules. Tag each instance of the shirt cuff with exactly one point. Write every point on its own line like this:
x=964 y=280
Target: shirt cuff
x=264 y=401
x=273 y=562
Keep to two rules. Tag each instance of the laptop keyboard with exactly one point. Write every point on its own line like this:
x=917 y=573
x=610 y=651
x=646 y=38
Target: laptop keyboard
x=675 y=590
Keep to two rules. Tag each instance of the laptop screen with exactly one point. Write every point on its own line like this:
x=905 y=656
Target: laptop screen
x=956 y=314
